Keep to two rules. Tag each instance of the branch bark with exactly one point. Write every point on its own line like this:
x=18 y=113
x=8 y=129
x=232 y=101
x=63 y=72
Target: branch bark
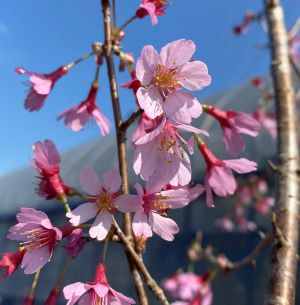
x=284 y=254
x=121 y=144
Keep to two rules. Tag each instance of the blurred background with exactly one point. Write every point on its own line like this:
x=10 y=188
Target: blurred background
x=43 y=35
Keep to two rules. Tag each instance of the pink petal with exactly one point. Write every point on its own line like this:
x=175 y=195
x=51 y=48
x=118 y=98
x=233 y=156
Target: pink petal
x=184 y=171
x=146 y=64
x=190 y=128
x=45 y=154
x=34 y=101
x=209 y=196
x=177 y=52
x=140 y=225
x=194 y=75
x=195 y=191
x=245 y=123
x=102 y=121
x=221 y=180
x=41 y=84
x=150 y=8
x=73 y=292
x=101 y=290
x=89 y=181
x=128 y=203
x=233 y=141
x=123 y=300
x=82 y=213
x=111 y=181
x=176 y=199
x=87 y=298
x=101 y=225
x=152 y=134
x=139 y=189
x=241 y=165
x=30 y=215
x=34 y=260
x=151 y=101
x=163 y=226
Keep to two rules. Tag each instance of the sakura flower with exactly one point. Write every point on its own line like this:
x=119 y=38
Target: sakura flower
x=77 y=117
x=126 y=59
x=225 y=223
x=155 y=205
x=243 y=27
x=10 y=263
x=159 y=154
x=94 y=293
x=46 y=161
x=244 y=225
x=144 y=124
x=134 y=84
x=40 y=86
x=258 y=82
x=267 y=121
x=75 y=243
x=194 y=190
x=163 y=75
x=153 y=8
x=102 y=203
x=38 y=237
x=219 y=176
x=234 y=124
x=189 y=287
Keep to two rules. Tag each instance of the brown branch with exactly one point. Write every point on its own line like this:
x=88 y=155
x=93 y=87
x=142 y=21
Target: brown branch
x=134 y=115
x=230 y=266
x=295 y=66
x=121 y=144
x=284 y=255
x=155 y=288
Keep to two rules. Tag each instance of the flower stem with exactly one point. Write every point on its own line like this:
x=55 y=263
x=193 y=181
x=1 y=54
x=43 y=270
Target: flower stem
x=126 y=23
x=77 y=61
x=63 y=272
x=104 y=249
x=34 y=282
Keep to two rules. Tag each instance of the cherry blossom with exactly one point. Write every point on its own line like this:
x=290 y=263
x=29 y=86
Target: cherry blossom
x=219 y=176
x=38 y=236
x=75 y=243
x=77 y=117
x=156 y=204
x=267 y=120
x=94 y=293
x=233 y=124
x=153 y=8
x=10 y=262
x=46 y=161
x=159 y=154
x=103 y=201
x=40 y=86
x=163 y=75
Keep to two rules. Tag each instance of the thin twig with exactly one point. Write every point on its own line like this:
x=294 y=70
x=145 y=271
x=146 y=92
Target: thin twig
x=121 y=145
x=159 y=293
x=134 y=115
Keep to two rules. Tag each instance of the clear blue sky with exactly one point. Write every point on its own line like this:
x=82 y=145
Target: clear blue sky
x=42 y=35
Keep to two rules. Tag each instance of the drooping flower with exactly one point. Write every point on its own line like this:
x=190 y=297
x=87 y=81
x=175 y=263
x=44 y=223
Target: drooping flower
x=94 y=293
x=219 y=176
x=189 y=287
x=10 y=262
x=40 y=86
x=75 y=243
x=264 y=205
x=153 y=8
x=103 y=201
x=163 y=75
x=243 y=27
x=267 y=121
x=125 y=60
x=155 y=205
x=38 y=236
x=234 y=124
x=46 y=161
x=134 y=84
x=159 y=154
x=77 y=117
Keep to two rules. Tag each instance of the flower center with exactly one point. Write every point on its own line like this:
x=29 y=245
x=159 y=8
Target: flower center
x=38 y=238
x=155 y=203
x=104 y=201
x=166 y=79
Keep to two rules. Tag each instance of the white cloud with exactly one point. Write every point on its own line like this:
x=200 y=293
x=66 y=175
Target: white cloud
x=3 y=28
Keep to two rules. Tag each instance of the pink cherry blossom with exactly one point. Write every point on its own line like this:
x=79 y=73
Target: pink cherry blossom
x=233 y=124
x=225 y=223
x=103 y=201
x=264 y=205
x=94 y=293
x=267 y=121
x=77 y=117
x=243 y=224
x=46 y=161
x=189 y=287
x=134 y=84
x=219 y=176
x=144 y=124
x=159 y=154
x=38 y=237
x=243 y=27
x=164 y=74
x=153 y=8
x=155 y=205
x=10 y=262
x=194 y=190
x=40 y=86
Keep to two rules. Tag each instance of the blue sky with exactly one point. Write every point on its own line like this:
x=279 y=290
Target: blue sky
x=42 y=35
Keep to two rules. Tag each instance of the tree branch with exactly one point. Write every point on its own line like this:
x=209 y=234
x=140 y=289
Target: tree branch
x=121 y=144
x=155 y=288
x=284 y=255
x=134 y=115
